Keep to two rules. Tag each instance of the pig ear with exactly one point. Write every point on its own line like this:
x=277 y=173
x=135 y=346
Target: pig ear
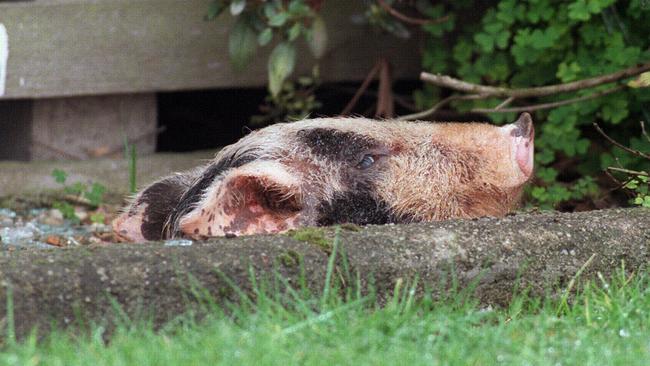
x=257 y=198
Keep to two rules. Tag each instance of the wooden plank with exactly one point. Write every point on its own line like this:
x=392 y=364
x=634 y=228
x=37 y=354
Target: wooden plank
x=83 y=47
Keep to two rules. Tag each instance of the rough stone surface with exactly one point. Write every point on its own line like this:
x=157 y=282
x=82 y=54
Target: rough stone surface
x=536 y=251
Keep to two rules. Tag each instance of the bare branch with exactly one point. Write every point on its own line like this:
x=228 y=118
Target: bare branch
x=616 y=143
x=437 y=106
x=628 y=171
x=371 y=75
x=464 y=86
x=407 y=19
x=505 y=103
x=385 y=101
x=536 y=107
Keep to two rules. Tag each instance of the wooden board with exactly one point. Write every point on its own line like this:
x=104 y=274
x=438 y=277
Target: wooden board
x=84 y=47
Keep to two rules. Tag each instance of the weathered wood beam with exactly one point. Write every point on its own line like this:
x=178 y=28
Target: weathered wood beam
x=83 y=47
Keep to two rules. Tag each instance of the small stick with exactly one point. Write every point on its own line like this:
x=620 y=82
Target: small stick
x=616 y=143
x=437 y=106
x=643 y=131
x=536 y=107
x=407 y=19
x=348 y=108
x=628 y=171
x=504 y=104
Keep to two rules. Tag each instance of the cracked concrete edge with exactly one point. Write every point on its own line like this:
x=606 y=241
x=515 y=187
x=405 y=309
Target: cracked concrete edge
x=538 y=252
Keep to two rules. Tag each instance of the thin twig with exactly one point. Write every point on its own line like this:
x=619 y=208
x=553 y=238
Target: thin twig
x=63 y=153
x=407 y=19
x=385 y=102
x=643 y=131
x=348 y=108
x=616 y=143
x=536 y=107
x=79 y=200
x=491 y=91
x=504 y=104
x=436 y=107
x=619 y=184
x=628 y=171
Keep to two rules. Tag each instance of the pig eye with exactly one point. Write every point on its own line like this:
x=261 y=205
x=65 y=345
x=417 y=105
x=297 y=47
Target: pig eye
x=366 y=162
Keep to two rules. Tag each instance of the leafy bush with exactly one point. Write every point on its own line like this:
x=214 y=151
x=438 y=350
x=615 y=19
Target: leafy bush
x=542 y=42
x=506 y=43
x=259 y=22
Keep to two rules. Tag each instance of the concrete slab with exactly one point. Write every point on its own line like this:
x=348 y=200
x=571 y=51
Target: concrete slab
x=540 y=253
x=18 y=178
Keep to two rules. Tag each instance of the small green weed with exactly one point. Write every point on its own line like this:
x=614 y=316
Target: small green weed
x=130 y=154
x=91 y=195
x=640 y=185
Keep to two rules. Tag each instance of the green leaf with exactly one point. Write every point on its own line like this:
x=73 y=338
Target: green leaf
x=298 y=8
x=59 y=176
x=280 y=65
x=215 y=9
x=646 y=201
x=97 y=218
x=633 y=184
x=265 y=37
x=318 y=38
x=76 y=188
x=67 y=210
x=486 y=41
x=278 y=19
x=294 y=31
x=237 y=7
x=242 y=44
x=641 y=81
x=96 y=194
x=615 y=110
x=568 y=72
x=502 y=38
x=579 y=11
x=548 y=175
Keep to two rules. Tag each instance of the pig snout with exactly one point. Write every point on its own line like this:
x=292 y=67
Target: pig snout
x=522 y=136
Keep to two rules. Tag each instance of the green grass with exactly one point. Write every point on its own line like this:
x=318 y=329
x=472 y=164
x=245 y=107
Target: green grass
x=606 y=323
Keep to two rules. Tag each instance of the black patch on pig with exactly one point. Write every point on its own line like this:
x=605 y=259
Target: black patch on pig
x=358 y=207
x=192 y=196
x=160 y=199
x=338 y=145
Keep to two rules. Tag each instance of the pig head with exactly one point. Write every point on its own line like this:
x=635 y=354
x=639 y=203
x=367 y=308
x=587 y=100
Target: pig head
x=339 y=170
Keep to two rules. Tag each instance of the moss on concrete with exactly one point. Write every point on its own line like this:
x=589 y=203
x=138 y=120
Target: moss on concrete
x=313 y=235
x=290 y=258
